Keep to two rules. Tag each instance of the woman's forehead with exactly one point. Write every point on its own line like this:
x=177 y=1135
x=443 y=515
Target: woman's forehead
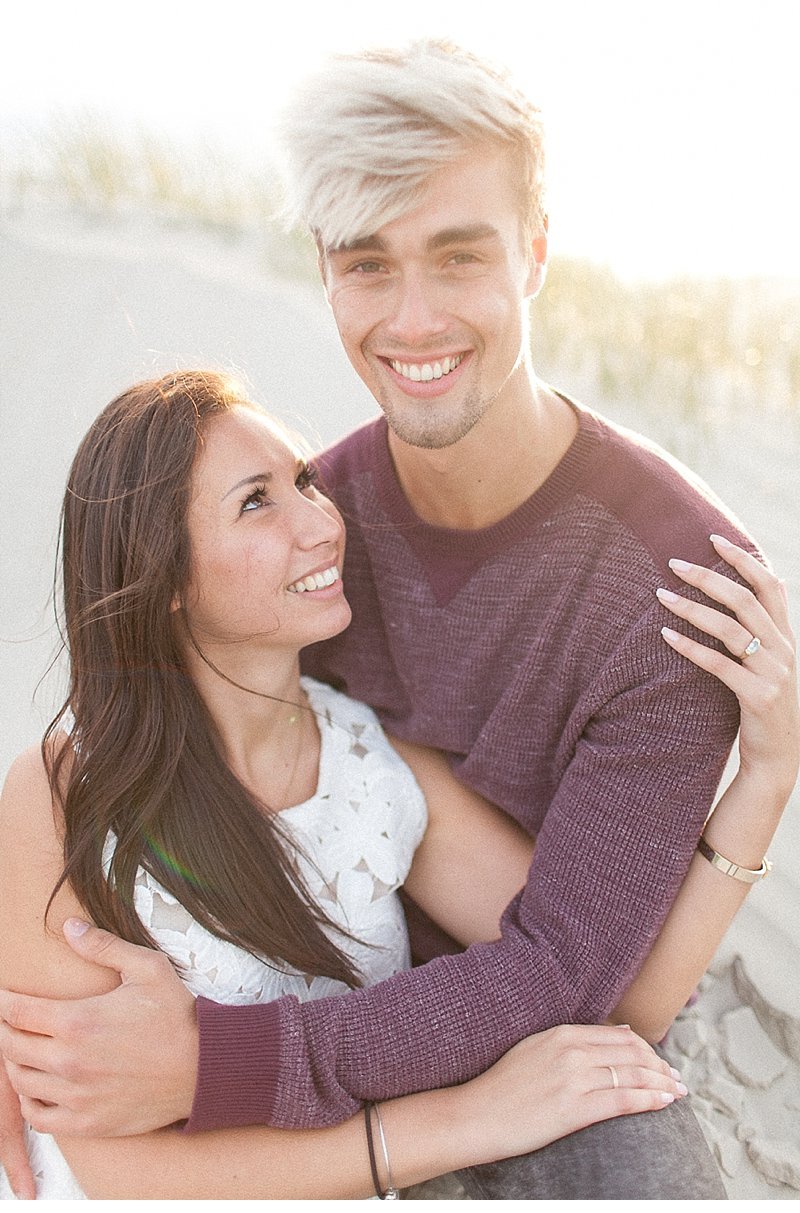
x=247 y=430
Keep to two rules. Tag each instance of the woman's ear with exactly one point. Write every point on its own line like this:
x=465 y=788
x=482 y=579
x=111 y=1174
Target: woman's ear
x=177 y=603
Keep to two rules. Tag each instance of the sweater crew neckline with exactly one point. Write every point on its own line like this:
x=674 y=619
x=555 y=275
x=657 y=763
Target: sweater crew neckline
x=485 y=541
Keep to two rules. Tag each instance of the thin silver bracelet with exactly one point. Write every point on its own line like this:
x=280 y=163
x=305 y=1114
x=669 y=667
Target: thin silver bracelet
x=391 y=1192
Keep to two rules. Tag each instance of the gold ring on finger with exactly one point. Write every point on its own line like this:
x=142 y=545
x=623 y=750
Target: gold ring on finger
x=753 y=647
x=614 y=1077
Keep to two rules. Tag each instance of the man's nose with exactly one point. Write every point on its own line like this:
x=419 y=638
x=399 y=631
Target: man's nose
x=417 y=313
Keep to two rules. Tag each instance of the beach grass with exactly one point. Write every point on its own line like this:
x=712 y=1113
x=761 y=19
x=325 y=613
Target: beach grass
x=104 y=172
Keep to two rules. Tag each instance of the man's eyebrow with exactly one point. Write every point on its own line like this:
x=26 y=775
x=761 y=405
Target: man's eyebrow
x=256 y=478
x=357 y=246
x=463 y=235
x=468 y=234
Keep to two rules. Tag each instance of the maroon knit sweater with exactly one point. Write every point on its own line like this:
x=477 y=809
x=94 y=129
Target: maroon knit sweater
x=530 y=653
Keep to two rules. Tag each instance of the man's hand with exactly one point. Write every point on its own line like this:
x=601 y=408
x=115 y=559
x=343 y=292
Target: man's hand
x=107 y=1066
x=13 y=1155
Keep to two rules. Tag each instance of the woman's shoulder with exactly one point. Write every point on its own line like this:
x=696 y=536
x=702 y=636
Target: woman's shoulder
x=27 y=799
x=31 y=862
x=31 y=824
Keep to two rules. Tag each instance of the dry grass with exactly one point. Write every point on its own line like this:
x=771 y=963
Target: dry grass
x=688 y=351
x=102 y=171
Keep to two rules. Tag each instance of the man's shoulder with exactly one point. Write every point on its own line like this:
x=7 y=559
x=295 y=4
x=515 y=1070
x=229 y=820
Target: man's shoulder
x=654 y=496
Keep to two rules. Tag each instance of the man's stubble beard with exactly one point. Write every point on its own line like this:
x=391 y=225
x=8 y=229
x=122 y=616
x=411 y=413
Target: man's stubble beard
x=430 y=429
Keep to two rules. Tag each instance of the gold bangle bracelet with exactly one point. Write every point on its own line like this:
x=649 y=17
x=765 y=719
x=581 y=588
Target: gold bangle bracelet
x=729 y=868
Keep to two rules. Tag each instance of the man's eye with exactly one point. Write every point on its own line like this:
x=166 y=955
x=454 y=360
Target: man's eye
x=366 y=267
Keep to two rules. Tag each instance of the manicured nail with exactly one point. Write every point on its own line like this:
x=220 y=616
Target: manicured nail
x=667 y=1098
x=680 y=566
x=720 y=541
x=75 y=927
x=682 y=1088
x=676 y=1074
x=666 y=595
x=669 y=634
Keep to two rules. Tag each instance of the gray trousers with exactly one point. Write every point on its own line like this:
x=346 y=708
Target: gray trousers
x=650 y=1156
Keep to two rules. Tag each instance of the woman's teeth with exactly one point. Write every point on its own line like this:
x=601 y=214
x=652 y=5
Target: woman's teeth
x=316 y=581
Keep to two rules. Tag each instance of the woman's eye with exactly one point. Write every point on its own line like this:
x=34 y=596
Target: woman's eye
x=306 y=478
x=255 y=500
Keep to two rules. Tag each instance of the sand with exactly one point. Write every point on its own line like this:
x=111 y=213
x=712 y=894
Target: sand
x=88 y=307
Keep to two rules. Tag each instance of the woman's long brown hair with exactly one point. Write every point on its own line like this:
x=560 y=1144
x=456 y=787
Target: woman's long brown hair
x=145 y=760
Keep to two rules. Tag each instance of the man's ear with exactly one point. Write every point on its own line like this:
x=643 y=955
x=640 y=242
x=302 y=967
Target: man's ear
x=538 y=264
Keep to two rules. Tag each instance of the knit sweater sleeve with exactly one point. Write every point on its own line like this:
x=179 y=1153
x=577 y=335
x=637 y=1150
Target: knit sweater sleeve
x=614 y=846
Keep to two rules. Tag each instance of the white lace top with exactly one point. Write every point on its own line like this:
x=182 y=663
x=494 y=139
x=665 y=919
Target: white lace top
x=358 y=834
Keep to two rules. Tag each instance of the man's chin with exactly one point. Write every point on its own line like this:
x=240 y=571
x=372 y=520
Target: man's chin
x=429 y=432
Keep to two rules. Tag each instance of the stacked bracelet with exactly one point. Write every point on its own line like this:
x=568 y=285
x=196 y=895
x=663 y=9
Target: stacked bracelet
x=390 y=1192
x=747 y=875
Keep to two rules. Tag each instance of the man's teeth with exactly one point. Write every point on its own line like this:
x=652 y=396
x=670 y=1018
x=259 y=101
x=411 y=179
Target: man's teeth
x=424 y=372
x=317 y=581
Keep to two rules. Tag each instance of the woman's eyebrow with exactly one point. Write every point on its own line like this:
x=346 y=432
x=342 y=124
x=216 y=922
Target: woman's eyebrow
x=256 y=478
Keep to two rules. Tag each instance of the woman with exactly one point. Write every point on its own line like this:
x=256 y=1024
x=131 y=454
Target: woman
x=212 y=804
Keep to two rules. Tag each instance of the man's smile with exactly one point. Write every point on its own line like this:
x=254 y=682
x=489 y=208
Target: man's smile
x=427 y=377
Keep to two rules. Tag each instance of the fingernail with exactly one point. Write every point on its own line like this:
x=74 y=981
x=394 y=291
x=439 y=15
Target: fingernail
x=675 y=1073
x=669 y=634
x=75 y=927
x=681 y=566
x=667 y=1098
x=682 y=1088
x=721 y=541
x=666 y=595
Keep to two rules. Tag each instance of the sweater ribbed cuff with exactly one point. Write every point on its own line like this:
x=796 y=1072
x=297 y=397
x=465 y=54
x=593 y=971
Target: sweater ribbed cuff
x=237 y=1072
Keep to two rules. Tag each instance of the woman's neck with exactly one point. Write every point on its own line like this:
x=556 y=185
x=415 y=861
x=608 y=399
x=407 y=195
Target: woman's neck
x=267 y=730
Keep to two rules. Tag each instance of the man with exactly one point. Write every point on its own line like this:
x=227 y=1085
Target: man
x=504 y=549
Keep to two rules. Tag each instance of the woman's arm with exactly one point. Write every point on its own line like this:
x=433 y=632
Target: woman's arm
x=474 y=858
x=551 y=1084
x=745 y=818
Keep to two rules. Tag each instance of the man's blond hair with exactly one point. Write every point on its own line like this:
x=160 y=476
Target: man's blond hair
x=361 y=139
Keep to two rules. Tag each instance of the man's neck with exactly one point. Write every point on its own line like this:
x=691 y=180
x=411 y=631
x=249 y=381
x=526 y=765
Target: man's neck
x=485 y=476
